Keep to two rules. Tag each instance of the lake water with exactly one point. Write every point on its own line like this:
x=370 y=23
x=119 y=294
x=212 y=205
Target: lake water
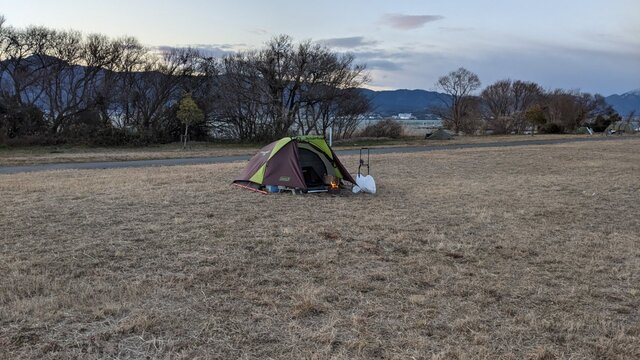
x=409 y=124
x=417 y=127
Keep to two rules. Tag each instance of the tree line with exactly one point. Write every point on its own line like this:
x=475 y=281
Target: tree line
x=63 y=86
x=508 y=106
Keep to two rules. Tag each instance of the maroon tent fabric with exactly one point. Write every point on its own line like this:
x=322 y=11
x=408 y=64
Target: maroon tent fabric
x=284 y=169
x=256 y=162
x=343 y=171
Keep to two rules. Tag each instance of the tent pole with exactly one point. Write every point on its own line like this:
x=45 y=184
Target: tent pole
x=331 y=136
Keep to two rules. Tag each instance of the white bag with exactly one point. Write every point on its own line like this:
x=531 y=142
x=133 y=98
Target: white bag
x=365 y=184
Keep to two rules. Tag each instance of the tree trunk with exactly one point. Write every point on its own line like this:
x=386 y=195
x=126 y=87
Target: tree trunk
x=186 y=131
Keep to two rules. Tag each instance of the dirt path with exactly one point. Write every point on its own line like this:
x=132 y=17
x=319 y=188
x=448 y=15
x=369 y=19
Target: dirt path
x=235 y=158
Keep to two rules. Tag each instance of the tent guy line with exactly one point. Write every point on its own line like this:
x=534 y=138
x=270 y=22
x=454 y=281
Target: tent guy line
x=238 y=158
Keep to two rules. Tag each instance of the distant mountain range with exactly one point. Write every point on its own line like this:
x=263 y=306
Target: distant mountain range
x=626 y=103
x=391 y=102
x=418 y=102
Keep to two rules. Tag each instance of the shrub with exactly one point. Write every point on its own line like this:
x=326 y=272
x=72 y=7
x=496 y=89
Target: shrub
x=18 y=121
x=384 y=128
x=602 y=122
x=501 y=125
x=552 y=128
x=33 y=140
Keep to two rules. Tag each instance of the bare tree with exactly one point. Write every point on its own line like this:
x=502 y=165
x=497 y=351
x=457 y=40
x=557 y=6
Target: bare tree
x=568 y=110
x=77 y=80
x=67 y=86
x=287 y=87
x=204 y=89
x=24 y=62
x=525 y=95
x=505 y=103
x=130 y=61
x=4 y=43
x=3 y=37
x=338 y=109
x=351 y=106
x=458 y=85
x=329 y=97
x=240 y=103
x=152 y=88
x=281 y=70
x=498 y=102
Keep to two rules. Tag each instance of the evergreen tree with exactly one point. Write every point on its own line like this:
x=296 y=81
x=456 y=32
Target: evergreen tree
x=189 y=114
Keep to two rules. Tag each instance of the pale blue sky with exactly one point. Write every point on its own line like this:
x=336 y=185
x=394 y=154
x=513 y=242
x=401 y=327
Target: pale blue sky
x=588 y=45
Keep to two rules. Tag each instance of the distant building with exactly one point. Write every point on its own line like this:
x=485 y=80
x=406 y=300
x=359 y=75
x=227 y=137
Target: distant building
x=406 y=116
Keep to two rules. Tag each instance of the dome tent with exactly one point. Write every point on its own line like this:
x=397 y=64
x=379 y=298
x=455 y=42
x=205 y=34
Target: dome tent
x=440 y=134
x=299 y=162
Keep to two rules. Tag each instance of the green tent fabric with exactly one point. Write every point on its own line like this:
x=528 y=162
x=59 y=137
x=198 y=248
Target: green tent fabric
x=298 y=162
x=620 y=127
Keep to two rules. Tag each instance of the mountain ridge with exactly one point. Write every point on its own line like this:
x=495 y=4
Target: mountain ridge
x=625 y=104
x=415 y=101
x=418 y=101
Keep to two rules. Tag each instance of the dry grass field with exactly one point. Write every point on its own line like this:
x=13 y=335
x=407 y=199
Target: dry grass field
x=74 y=154
x=510 y=253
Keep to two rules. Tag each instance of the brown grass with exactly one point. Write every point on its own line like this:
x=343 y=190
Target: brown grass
x=415 y=139
x=76 y=154
x=519 y=253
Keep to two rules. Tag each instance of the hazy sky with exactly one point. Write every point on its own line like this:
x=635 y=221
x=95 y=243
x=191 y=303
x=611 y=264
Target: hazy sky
x=588 y=45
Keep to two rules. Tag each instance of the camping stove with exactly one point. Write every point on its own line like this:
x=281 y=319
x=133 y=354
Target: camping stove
x=334 y=187
x=332 y=183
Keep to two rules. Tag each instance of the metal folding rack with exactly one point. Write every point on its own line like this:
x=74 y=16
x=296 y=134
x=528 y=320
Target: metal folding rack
x=362 y=162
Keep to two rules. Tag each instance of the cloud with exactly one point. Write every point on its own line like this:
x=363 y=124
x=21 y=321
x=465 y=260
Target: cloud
x=258 y=31
x=409 y=22
x=377 y=54
x=348 y=42
x=214 y=50
x=385 y=65
x=552 y=66
x=455 y=28
x=219 y=50
x=380 y=59
x=222 y=46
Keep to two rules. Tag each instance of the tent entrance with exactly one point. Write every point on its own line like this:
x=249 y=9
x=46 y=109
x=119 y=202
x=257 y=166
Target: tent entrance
x=313 y=168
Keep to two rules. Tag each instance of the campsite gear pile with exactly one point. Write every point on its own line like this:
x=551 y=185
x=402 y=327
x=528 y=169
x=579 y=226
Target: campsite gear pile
x=298 y=164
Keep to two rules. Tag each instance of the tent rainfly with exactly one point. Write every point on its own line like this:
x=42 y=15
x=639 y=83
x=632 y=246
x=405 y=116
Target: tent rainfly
x=300 y=163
